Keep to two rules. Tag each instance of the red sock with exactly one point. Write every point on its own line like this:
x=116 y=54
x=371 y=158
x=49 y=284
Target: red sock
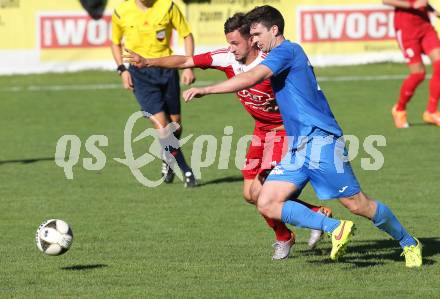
x=309 y=205
x=282 y=233
x=434 y=88
x=409 y=85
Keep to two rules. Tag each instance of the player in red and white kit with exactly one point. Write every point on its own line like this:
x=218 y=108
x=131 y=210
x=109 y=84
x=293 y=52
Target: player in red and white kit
x=416 y=36
x=267 y=146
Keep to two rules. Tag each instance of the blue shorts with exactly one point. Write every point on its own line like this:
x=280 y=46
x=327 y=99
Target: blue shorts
x=156 y=89
x=322 y=160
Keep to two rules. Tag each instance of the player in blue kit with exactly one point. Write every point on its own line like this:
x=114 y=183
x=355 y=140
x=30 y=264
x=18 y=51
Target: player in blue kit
x=318 y=153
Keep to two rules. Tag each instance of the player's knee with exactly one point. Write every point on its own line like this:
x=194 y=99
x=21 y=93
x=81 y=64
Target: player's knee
x=436 y=68
x=355 y=208
x=422 y=76
x=254 y=193
x=418 y=77
x=358 y=204
x=263 y=209
x=264 y=205
x=247 y=196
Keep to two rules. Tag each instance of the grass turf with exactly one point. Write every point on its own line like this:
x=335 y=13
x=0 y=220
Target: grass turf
x=133 y=241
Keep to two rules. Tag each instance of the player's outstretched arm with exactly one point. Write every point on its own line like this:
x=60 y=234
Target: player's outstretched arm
x=239 y=82
x=188 y=76
x=174 y=61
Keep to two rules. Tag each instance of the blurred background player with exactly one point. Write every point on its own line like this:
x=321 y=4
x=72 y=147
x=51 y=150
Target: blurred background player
x=95 y=8
x=416 y=36
x=146 y=26
x=268 y=144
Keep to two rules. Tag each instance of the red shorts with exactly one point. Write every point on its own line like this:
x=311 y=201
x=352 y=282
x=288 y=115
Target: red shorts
x=266 y=150
x=418 y=40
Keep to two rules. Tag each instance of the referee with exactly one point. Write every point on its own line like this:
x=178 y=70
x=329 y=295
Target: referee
x=145 y=26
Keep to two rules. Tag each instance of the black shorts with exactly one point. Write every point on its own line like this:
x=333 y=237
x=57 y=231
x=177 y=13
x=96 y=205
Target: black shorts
x=156 y=89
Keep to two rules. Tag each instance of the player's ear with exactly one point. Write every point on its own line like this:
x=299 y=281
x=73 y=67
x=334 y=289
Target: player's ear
x=250 y=41
x=275 y=30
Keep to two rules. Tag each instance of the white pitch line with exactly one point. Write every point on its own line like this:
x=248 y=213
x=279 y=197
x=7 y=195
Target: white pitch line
x=360 y=78
x=75 y=87
x=110 y=86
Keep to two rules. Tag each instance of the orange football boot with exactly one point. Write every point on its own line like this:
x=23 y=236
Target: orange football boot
x=399 y=118
x=432 y=118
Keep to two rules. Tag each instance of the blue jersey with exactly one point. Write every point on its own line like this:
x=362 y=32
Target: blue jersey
x=302 y=104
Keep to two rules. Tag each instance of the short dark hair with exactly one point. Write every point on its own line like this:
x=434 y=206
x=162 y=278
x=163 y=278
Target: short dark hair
x=266 y=15
x=237 y=22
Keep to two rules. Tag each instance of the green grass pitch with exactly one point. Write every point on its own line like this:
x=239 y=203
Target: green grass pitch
x=133 y=241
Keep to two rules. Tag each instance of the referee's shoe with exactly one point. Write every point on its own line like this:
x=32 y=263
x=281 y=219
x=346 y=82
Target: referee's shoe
x=190 y=180
x=167 y=173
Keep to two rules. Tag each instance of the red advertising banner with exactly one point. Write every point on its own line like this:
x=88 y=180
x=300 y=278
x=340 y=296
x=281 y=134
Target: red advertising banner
x=73 y=31
x=345 y=24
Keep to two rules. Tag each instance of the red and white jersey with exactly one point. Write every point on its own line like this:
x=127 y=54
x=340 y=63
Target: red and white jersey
x=409 y=18
x=259 y=100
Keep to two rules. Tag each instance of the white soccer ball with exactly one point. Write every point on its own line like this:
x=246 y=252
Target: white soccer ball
x=54 y=237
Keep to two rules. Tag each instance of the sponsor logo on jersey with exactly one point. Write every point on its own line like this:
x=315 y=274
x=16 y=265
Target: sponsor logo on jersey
x=258 y=100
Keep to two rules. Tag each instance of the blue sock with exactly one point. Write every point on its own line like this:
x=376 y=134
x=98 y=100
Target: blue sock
x=300 y=216
x=385 y=220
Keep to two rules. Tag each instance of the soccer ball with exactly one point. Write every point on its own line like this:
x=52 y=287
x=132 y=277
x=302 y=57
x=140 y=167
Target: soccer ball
x=54 y=237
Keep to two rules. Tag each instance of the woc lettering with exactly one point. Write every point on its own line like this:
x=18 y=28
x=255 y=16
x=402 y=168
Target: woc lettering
x=335 y=25
x=74 y=31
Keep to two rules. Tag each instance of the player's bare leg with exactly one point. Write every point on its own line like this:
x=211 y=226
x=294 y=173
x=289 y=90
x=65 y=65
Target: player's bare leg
x=159 y=121
x=285 y=238
x=273 y=203
x=315 y=234
x=431 y=114
x=360 y=204
x=177 y=119
x=167 y=170
x=384 y=219
x=272 y=197
x=169 y=142
x=247 y=191
x=409 y=85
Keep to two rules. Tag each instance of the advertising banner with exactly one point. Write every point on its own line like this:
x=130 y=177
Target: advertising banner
x=54 y=36
x=333 y=32
x=47 y=35
x=348 y=34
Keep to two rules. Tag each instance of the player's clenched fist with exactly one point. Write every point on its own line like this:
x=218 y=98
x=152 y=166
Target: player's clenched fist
x=192 y=93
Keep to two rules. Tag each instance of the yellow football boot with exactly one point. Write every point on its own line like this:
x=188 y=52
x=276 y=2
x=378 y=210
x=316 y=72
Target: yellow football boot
x=413 y=255
x=341 y=236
